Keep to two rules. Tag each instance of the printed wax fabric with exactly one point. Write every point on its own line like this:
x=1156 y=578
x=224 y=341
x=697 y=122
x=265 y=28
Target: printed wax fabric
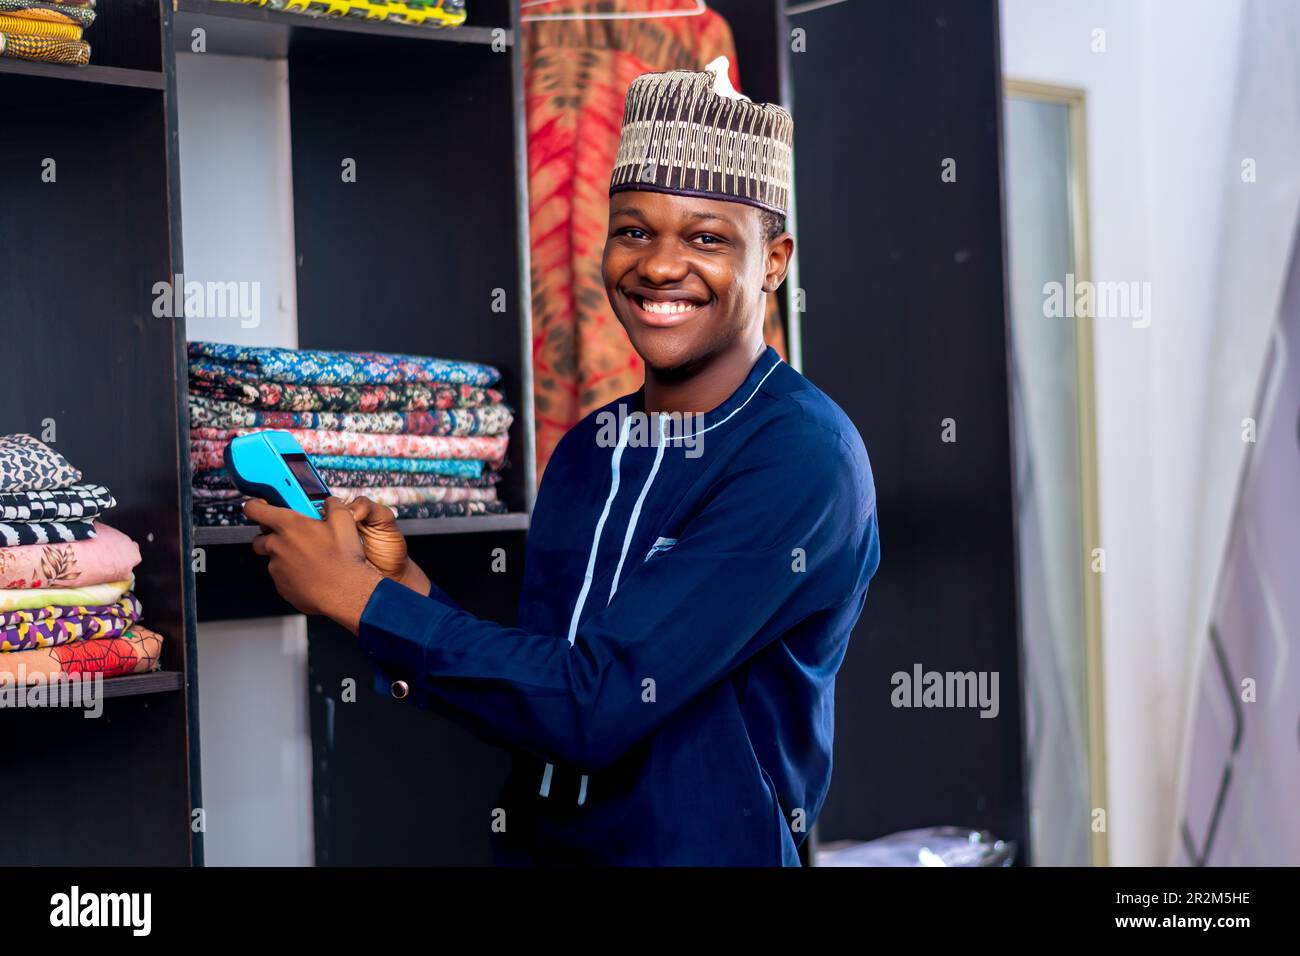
x=488 y=448
x=28 y=464
x=78 y=501
x=216 y=382
x=92 y=594
x=394 y=497
x=45 y=49
x=577 y=73
x=49 y=626
x=484 y=420
x=450 y=509
x=232 y=513
x=20 y=533
x=211 y=458
x=136 y=651
x=109 y=556
x=80 y=15
x=307 y=367
x=435 y=13
x=39 y=28
x=400 y=495
x=217 y=479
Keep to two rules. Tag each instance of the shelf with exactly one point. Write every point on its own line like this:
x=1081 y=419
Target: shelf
x=104 y=76
x=515 y=521
x=133 y=685
x=236 y=29
x=159 y=682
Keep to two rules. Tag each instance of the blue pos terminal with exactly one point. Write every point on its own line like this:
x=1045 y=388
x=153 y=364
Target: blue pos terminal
x=273 y=466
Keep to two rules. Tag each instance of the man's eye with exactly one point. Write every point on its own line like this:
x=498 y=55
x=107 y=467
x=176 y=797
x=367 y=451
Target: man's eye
x=634 y=233
x=708 y=239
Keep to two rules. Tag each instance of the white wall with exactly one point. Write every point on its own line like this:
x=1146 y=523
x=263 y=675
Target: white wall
x=237 y=216
x=1164 y=145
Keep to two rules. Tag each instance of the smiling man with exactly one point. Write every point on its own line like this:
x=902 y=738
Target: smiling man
x=692 y=575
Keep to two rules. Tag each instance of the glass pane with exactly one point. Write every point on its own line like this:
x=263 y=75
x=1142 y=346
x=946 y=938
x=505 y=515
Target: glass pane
x=1049 y=488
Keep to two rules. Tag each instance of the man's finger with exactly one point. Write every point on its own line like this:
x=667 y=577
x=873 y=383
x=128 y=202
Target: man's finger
x=261 y=544
x=338 y=514
x=268 y=515
x=371 y=513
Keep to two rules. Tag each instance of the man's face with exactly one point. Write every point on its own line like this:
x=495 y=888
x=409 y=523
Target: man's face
x=687 y=276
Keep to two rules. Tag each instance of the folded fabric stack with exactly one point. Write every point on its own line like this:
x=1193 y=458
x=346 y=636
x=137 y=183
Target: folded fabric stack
x=66 y=605
x=425 y=436
x=425 y=13
x=48 y=30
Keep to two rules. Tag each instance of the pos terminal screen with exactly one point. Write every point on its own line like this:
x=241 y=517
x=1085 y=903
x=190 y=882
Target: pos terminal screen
x=306 y=476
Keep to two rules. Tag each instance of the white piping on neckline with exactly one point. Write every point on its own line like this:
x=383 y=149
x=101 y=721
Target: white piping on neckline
x=738 y=407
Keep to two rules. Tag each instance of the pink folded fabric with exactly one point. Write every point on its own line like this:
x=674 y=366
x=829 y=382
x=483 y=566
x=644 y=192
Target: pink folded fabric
x=416 y=496
x=109 y=556
x=490 y=448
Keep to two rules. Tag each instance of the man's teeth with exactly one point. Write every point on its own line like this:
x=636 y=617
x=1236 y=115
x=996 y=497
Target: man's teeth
x=668 y=308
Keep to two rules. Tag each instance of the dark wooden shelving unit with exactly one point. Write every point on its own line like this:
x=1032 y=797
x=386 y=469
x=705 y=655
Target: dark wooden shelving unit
x=396 y=98
x=117 y=380
x=78 y=258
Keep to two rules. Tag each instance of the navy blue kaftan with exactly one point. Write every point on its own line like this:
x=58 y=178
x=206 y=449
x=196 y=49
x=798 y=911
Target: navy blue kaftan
x=668 y=693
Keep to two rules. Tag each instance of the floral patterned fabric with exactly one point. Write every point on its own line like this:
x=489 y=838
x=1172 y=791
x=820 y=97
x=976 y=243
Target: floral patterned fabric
x=418 y=396
x=399 y=495
x=232 y=512
x=339 y=478
x=28 y=464
x=307 y=367
x=313 y=442
x=48 y=626
x=416 y=496
x=450 y=509
x=92 y=594
x=109 y=556
x=78 y=501
x=136 y=651
x=418 y=432
x=210 y=458
x=483 y=420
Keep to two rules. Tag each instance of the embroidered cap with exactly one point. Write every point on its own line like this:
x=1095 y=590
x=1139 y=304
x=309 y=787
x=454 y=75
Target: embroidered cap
x=692 y=134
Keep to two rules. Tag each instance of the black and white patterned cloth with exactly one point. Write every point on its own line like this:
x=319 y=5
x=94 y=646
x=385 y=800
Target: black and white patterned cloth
x=79 y=501
x=18 y=534
x=28 y=464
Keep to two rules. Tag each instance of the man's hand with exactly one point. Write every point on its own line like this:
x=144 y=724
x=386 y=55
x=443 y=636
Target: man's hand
x=384 y=544
x=318 y=566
